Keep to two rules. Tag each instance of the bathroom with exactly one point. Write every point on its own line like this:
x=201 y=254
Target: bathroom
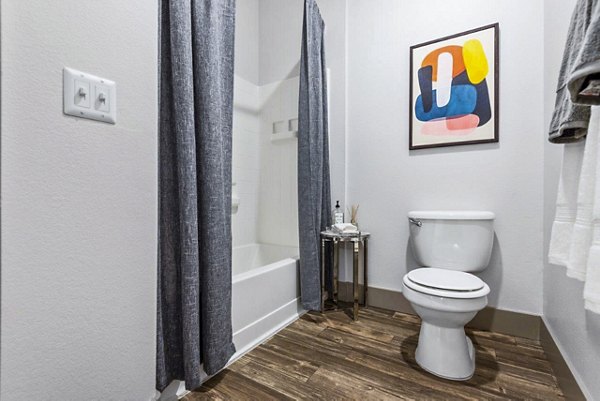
x=81 y=206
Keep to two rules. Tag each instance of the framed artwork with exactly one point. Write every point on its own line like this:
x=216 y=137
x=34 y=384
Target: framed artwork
x=454 y=90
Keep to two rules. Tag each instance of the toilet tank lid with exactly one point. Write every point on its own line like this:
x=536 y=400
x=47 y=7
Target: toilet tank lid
x=452 y=215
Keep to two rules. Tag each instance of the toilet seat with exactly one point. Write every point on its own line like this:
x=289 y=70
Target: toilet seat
x=446 y=283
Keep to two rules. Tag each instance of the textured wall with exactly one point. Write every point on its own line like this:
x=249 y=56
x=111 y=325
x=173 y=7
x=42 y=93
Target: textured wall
x=507 y=178
x=79 y=204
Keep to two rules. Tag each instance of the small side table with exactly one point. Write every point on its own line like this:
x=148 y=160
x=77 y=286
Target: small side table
x=356 y=240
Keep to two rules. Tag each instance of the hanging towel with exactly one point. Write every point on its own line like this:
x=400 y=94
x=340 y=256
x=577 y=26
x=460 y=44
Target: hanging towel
x=587 y=63
x=591 y=290
x=581 y=59
x=575 y=240
x=566 y=204
x=582 y=228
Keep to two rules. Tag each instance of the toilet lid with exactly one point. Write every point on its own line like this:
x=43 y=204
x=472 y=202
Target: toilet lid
x=449 y=280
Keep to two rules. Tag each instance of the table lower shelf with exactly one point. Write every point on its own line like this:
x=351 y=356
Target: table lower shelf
x=356 y=245
x=345 y=306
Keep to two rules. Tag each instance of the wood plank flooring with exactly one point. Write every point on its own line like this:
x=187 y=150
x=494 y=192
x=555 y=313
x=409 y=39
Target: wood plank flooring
x=330 y=357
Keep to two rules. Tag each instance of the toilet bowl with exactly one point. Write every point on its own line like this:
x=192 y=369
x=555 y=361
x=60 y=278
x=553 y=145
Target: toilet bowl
x=444 y=349
x=443 y=293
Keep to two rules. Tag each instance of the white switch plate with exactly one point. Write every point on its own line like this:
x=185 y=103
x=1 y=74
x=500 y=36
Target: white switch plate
x=88 y=96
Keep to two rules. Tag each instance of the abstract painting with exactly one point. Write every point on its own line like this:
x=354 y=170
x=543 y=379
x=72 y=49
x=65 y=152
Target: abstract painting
x=454 y=90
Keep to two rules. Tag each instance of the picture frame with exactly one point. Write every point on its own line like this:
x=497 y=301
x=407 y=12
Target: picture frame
x=454 y=89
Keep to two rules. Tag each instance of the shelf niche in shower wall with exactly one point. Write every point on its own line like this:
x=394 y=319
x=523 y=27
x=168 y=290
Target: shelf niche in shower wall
x=283 y=131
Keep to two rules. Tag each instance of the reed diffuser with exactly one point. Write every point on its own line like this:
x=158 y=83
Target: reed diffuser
x=353 y=212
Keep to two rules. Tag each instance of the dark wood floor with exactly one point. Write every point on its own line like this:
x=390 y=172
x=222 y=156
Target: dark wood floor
x=330 y=357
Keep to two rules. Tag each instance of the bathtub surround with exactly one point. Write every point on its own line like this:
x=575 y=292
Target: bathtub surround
x=314 y=193
x=247 y=153
x=265 y=164
x=265 y=227
x=194 y=331
x=265 y=168
x=278 y=181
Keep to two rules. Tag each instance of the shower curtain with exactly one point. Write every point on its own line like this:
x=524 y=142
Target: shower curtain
x=314 y=197
x=194 y=329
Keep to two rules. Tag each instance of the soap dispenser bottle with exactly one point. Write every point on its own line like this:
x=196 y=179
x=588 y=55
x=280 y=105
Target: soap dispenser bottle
x=338 y=214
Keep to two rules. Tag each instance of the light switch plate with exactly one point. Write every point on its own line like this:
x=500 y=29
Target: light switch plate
x=88 y=96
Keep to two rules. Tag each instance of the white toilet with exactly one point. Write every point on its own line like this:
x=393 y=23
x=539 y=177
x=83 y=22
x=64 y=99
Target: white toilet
x=450 y=244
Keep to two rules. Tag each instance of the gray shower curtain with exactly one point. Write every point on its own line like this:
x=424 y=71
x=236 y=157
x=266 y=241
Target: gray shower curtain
x=194 y=329
x=314 y=194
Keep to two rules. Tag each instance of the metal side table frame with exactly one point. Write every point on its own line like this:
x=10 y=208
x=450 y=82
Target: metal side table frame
x=356 y=240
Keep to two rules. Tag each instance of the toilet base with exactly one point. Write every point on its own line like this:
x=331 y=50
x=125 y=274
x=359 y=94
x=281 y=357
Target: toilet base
x=446 y=352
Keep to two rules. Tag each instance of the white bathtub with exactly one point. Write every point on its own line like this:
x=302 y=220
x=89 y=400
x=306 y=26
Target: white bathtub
x=266 y=293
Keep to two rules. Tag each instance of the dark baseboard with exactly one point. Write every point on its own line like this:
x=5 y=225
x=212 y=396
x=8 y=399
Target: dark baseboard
x=490 y=319
x=378 y=297
x=507 y=322
x=564 y=376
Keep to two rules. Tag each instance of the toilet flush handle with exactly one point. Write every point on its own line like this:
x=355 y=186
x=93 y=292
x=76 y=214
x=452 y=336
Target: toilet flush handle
x=416 y=222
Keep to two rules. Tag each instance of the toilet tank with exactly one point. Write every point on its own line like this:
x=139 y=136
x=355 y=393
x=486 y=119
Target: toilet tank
x=454 y=240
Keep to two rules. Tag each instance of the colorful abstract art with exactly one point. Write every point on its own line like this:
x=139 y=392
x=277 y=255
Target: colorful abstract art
x=454 y=90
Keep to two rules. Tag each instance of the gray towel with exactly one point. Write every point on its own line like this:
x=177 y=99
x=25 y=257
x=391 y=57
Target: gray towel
x=581 y=61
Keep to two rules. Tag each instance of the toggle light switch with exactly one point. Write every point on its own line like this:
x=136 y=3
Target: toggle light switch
x=89 y=96
x=102 y=98
x=82 y=94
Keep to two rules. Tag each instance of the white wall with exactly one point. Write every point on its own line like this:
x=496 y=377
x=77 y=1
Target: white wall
x=506 y=178
x=246 y=40
x=575 y=330
x=79 y=204
x=334 y=15
x=280 y=36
